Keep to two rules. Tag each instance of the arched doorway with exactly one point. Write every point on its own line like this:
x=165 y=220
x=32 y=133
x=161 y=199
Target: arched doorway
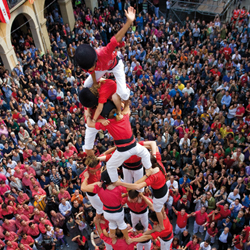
x=25 y=30
x=21 y=35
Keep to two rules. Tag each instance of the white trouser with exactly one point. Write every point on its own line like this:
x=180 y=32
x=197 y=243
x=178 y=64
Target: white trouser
x=207 y=236
x=158 y=203
x=108 y=247
x=178 y=229
x=135 y=218
x=116 y=220
x=89 y=139
x=96 y=203
x=118 y=158
x=120 y=78
x=146 y=246
x=131 y=176
x=198 y=228
x=165 y=245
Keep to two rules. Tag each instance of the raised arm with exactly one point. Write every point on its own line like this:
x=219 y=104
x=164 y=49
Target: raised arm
x=131 y=186
x=85 y=187
x=130 y=14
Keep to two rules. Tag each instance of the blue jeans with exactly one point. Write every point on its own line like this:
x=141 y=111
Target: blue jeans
x=62 y=240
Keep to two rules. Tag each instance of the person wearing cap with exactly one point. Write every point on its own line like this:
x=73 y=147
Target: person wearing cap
x=111 y=197
x=105 y=59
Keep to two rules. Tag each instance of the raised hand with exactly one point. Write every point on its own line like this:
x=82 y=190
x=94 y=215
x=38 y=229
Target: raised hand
x=130 y=14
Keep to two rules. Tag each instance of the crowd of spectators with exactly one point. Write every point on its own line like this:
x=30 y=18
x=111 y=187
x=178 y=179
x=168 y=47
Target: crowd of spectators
x=189 y=92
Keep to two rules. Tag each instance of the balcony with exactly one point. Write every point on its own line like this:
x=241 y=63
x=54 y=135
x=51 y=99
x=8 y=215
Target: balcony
x=13 y=4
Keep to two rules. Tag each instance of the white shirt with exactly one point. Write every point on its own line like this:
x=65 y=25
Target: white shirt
x=174 y=184
x=12 y=164
x=202 y=247
x=188 y=90
x=64 y=208
x=231 y=197
x=41 y=123
x=183 y=140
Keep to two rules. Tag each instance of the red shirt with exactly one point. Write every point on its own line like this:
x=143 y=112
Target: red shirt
x=39 y=192
x=24 y=198
x=106 y=56
x=38 y=216
x=237 y=242
x=23 y=217
x=42 y=226
x=156 y=181
x=11 y=237
x=120 y=243
x=227 y=52
x=34 y=231
x=13 y=247
x=217 y=217
x=134 y=162
x=240 y=111
x=28 y=240
x=1 y=233
x=200 y=218
x=191 y=246
x=28 y=212
x=175 y=197
x=65 y=195
x=236 y=14
x=68 y=154
x=73 y=109
x=92 y=177
x=138 y=70
x=105 y=225
x=136 y=206
x=106 y=90
x=224 y=213
x=182 y=220
x=110 y=198
x=11 y=226
x=215 y=73
x=212 y=231
x=117 y=131
x=167 y=233
x=10 y=209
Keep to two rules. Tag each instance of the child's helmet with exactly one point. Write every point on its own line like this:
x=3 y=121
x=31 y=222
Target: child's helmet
x=85 y=56
x=87 y=98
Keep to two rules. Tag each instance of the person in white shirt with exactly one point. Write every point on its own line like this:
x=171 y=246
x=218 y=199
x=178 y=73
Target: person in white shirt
x=171 y=183
x=65 y=207
x=184 y=140
x=28 y=107
x=205 y=245
x=30 y=120
x=41 y=122
x=205 y=140
x=71 y=79
x=233 y=196
x=11 y=164
x=188 y=89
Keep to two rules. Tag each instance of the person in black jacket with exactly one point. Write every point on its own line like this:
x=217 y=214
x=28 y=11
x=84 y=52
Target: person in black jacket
x=225 y=239
x=184 y=238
